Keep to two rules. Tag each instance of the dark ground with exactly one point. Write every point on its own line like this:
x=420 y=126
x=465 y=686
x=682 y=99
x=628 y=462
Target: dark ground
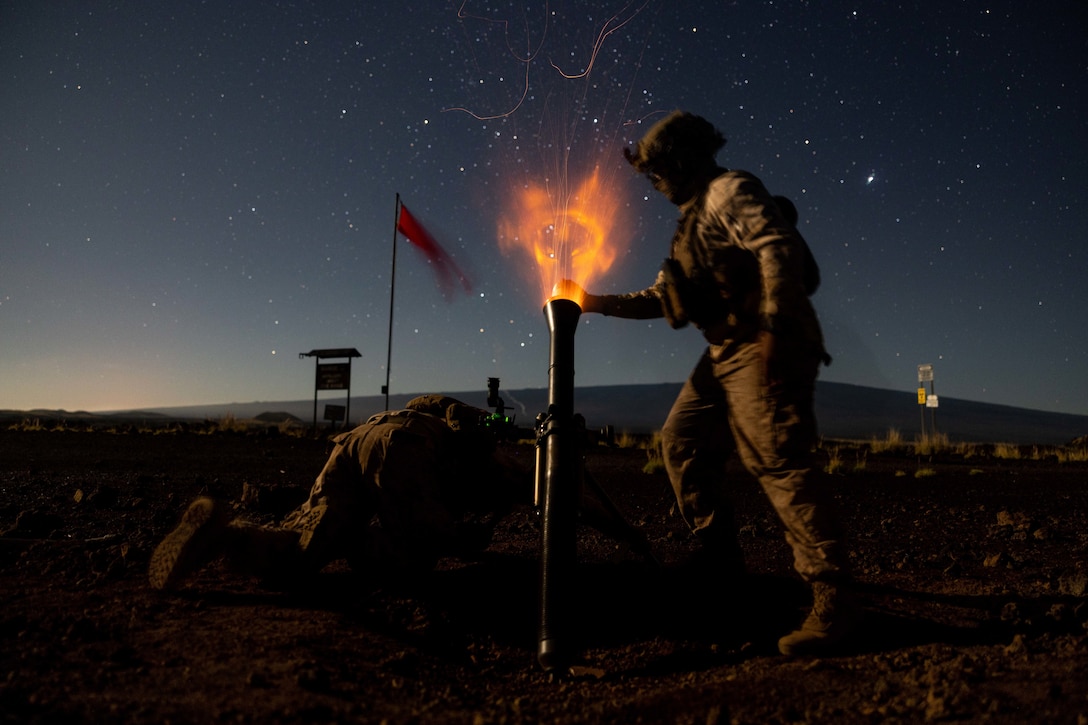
x=973 y=580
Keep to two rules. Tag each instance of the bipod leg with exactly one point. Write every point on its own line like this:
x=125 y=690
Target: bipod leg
x=600 y=512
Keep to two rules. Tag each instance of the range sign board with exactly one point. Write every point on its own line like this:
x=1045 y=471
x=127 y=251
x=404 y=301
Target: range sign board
x=334 y=376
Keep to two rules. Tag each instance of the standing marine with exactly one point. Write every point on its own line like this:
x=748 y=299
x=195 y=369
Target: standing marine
x=739 y=270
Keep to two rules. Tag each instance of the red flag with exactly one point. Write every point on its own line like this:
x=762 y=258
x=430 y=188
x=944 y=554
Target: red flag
x=444 y=266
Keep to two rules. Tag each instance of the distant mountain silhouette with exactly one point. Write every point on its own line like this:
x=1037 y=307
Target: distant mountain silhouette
x=843 y=410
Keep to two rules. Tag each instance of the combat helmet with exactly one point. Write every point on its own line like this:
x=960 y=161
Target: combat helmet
x=680 y=139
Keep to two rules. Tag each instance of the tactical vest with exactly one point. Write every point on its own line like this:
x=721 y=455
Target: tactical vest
x=709 y=287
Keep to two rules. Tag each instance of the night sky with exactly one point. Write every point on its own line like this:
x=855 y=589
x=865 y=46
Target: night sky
x=191 y=194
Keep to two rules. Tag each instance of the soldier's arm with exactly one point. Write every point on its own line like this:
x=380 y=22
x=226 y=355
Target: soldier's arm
x=642 y=305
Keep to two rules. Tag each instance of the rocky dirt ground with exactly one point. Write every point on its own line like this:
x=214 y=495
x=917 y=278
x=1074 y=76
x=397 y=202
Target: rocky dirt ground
x=973 y=579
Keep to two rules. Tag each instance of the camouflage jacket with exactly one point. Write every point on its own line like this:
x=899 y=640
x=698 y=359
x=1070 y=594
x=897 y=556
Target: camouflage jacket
x=743 y=268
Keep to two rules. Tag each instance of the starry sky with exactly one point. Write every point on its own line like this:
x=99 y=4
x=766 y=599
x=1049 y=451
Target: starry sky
x=191 y=194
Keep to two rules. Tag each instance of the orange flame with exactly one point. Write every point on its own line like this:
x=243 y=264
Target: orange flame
x=568 y=237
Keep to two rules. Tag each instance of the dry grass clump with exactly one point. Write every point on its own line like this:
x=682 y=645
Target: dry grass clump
x=626 y=439
x=1072 y=454
x=230 y=423
x=932 y=447
x=28 y=424
x=837 y=458
x=834 y=460
x=1015 y=452
x=891 y=443
x=291 y=428
x=930 y=444
x=655 y=459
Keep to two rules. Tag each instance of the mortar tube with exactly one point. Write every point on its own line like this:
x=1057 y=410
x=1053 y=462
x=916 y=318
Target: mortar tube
x=560 y=439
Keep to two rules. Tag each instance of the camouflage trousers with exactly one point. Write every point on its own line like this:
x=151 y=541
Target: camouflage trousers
x=376 y=502
x=727 y=405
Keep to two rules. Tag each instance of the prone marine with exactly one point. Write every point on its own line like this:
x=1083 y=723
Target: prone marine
x=396 y=493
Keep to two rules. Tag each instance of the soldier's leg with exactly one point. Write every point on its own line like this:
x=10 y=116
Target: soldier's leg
x=696 y=445
x=269 y=552
x=377 y=500
x=337 y=512
x=775 y=430
x=206 y=533
x=309 y=537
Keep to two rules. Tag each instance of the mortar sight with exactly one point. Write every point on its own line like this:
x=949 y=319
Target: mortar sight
x=499 y=423
x=493 y=399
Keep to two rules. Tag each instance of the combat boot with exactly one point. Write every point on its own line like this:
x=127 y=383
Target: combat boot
x=834 y=615
x=198 y=538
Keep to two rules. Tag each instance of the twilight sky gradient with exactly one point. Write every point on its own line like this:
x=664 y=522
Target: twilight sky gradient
x=191 y=194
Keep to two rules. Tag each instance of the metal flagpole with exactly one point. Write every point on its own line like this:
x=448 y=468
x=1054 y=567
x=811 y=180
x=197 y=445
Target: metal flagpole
x=392 y=287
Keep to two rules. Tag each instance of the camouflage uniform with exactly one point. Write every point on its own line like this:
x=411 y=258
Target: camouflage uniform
x=740 y=271
x=395 y=494
x=760 y=265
